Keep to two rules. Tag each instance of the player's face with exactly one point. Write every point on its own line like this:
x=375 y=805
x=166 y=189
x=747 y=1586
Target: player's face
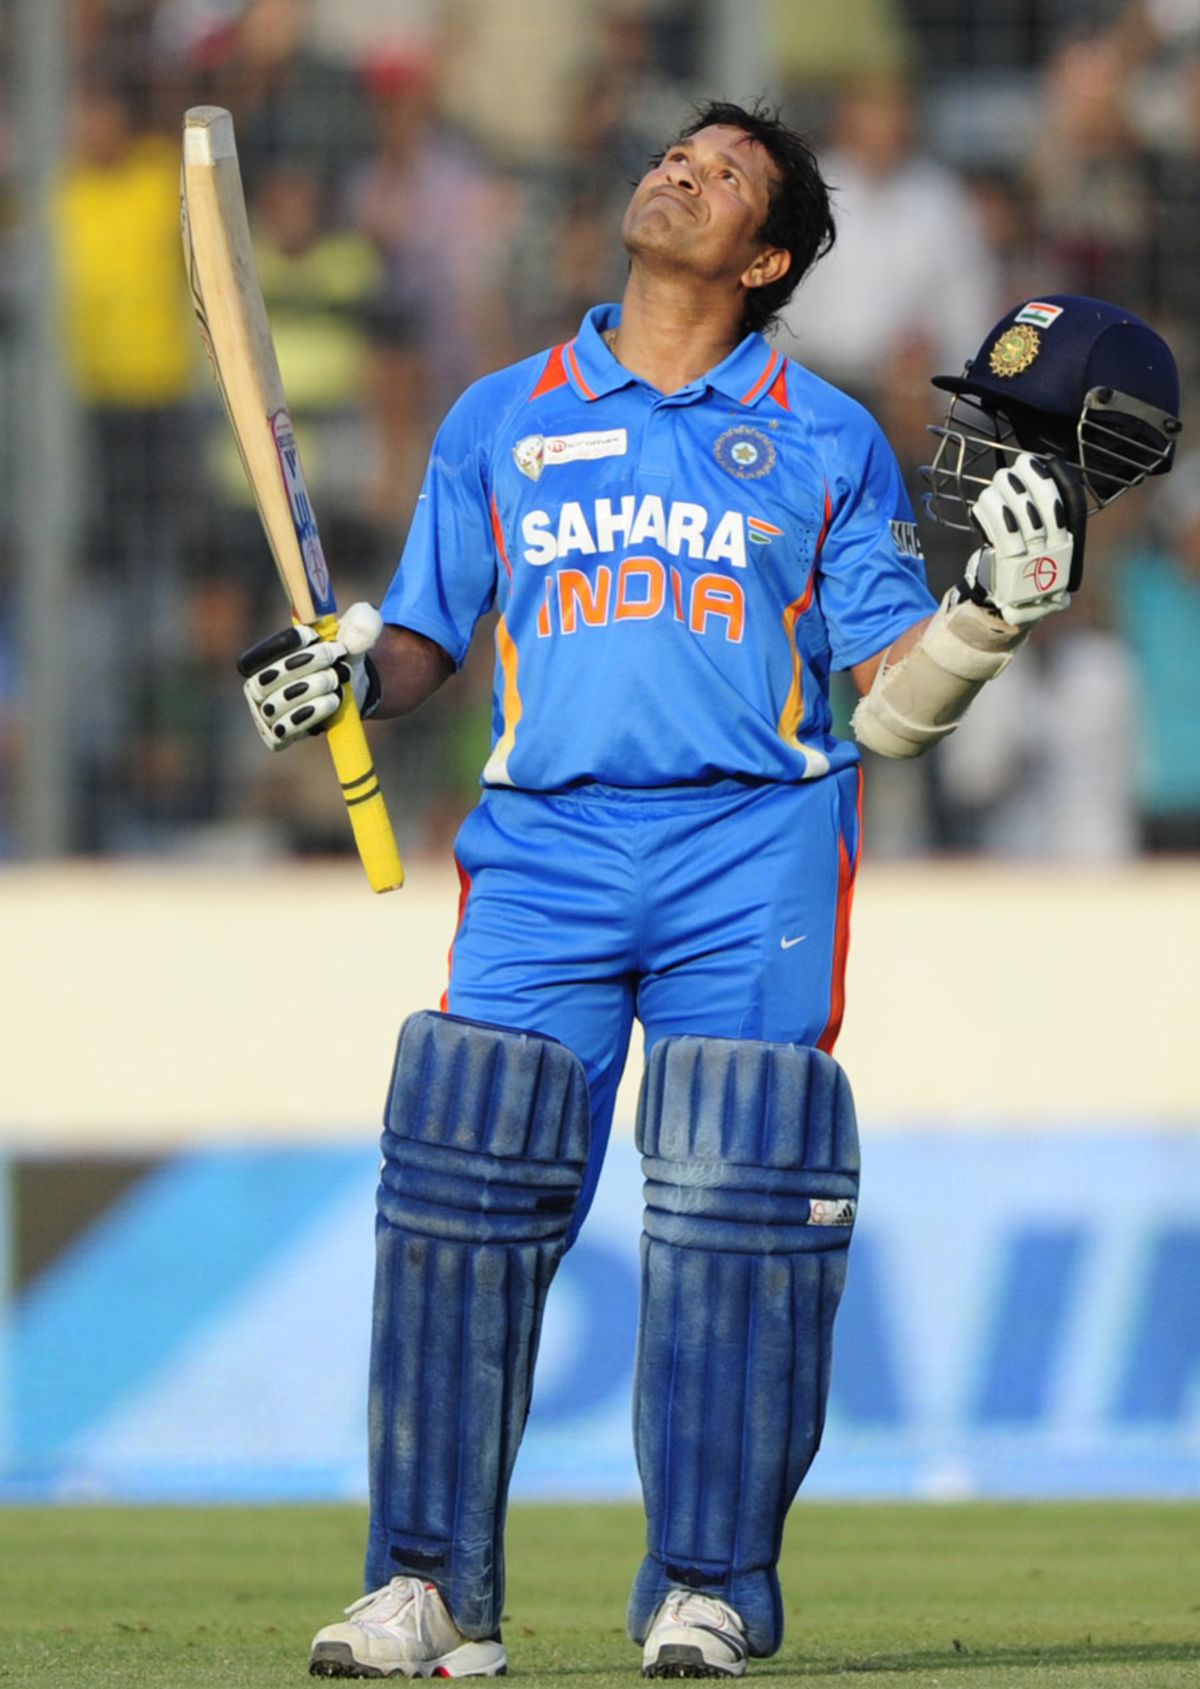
x=702 y=207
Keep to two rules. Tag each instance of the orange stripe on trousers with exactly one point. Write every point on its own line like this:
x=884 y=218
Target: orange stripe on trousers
x=847 y=874
x=464 y=891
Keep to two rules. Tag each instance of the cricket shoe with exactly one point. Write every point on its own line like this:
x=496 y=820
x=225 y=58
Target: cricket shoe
x=402 y=1630
x=694 y=1636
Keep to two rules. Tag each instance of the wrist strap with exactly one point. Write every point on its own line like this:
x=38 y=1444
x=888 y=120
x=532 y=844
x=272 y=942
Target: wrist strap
x=374 y=694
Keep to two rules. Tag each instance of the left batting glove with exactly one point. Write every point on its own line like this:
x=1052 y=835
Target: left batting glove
x=294 y=679
x=1032 y=519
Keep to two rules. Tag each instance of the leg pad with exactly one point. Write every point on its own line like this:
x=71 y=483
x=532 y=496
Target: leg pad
x=751 y=1158
x=484 y=1146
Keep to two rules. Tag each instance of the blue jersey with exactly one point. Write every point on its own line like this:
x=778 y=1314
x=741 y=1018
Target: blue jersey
x=676 y=575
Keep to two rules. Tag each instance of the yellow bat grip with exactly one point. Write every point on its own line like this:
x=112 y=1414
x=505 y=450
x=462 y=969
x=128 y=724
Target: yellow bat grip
x=360 y=787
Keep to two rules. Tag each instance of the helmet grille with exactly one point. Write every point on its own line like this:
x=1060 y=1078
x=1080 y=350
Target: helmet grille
x=1116 y=442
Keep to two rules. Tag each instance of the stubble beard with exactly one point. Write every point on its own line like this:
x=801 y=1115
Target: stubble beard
x=657 y=242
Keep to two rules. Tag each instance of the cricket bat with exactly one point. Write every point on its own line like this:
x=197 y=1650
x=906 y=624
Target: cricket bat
x=232 y=318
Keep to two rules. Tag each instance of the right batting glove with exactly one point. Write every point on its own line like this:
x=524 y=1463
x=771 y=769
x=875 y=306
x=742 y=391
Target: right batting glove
x=294 y=679
x=1031 y=518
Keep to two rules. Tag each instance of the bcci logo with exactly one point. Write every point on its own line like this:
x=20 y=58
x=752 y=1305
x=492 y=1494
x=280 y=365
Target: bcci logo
x=1015 y=350
x=745 y=452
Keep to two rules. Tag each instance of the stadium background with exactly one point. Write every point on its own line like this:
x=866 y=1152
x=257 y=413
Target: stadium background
x=187 y=1145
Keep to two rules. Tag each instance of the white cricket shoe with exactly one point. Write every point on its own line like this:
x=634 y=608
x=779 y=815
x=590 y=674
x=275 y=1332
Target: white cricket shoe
x=402 y=1630
x=694 y=1636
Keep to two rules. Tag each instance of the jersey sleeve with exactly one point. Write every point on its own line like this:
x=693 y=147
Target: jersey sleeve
x=871 y=577
x=446 y=577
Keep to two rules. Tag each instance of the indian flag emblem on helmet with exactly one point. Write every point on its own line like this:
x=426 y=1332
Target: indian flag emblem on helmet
x=1038 y=313
x=1015 y=350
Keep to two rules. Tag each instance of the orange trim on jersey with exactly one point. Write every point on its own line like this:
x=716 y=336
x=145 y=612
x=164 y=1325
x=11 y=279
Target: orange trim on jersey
x=826 y=520
x=496 y=768
x=792 y=713
x=772 y=363
x=498 y=536
x=553 y=374
x=847 y=875
x=579 y=381
x=464 y=891
x=779 y=388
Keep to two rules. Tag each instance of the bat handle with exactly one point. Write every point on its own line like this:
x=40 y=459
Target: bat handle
x=360 y=787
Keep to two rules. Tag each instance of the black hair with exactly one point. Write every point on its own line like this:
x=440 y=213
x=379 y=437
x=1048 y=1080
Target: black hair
x=799 y=216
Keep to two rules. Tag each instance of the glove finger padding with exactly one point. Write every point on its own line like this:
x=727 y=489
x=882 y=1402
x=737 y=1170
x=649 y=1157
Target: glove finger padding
x=1025 y=570
x=275 y=648
x=294 y=679
x=297 y=720
x=310 y=664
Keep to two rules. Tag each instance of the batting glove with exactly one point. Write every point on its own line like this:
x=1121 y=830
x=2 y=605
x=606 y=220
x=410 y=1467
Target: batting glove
x=294 y=680
x=1031 y=518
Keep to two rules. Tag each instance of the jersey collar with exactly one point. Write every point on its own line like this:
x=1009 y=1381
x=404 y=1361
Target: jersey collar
x=592 y=369
x=745 y=375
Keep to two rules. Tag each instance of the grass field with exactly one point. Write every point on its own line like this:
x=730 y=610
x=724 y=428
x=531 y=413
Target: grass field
x=971 y=1595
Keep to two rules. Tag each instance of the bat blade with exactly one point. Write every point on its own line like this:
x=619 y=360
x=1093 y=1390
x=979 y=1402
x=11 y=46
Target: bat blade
x=232 y=319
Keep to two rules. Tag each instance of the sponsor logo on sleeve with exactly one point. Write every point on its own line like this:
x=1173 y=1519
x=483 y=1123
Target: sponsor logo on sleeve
x=906 y=539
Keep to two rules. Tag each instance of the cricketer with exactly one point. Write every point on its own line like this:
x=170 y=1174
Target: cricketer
x=684 y=535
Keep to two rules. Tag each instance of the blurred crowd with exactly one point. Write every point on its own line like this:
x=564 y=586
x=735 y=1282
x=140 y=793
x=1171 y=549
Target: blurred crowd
x=434 y=189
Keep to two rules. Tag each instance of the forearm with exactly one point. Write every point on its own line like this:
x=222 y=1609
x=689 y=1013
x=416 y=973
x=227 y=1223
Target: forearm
x=922 y=688
x=411 y=668
x=863 y=674
x=1031 y=516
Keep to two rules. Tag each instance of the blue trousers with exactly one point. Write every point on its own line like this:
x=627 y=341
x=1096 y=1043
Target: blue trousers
x=720 y=910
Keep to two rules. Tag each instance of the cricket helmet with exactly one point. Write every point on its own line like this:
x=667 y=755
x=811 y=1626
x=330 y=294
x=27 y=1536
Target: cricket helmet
x=1067 y=377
